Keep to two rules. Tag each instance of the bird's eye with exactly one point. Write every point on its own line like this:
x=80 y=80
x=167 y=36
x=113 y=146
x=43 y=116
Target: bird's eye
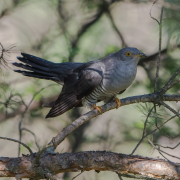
x=128 y=54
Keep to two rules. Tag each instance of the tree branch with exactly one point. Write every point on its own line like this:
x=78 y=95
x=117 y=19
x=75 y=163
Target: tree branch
x=144 y=131
x=161 y=150
x=87 y=25
x=170 y=83
x=25 y=167
x=14 y=140
x=112 y=105
x=116 y=29
x=152 y=57
x=160 y=42
x=170 y=108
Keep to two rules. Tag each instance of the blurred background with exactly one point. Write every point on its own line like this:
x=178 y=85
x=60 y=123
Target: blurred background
x=81 y=31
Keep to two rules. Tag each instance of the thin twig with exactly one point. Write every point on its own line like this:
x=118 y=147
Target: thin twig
x=153 y=131
x=168 y=84
x=172 y=84
x=116 y=29
x=155 y=112
x=5 y=52
x=144 y=131
x=77 y=175
x=170 y=108
x=160 y=43
x=23 y=114
x=10 y=139
x=163 y=132
x=161 y=150
x=163 y=156
x=86 y=26
x=168 y=146
x=160 y=126
x=25 y=129
x=153 y=57
x=119 y=175
x=151 y=14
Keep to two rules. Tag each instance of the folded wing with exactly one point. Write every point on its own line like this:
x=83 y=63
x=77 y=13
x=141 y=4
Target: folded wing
x=78 y=84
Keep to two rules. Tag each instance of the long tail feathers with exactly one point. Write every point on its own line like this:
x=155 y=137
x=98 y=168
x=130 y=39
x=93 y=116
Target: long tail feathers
x=36 y=60
x=37 y=67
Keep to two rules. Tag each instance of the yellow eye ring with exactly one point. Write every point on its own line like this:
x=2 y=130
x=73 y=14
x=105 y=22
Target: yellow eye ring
x=128 y=54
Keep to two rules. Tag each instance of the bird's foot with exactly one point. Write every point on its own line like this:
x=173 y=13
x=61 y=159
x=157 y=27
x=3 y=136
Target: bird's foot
x=99 y=108
x=118 y=102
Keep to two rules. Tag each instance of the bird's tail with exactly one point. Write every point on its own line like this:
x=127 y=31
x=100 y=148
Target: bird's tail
x=37 y=67
x=40 y=68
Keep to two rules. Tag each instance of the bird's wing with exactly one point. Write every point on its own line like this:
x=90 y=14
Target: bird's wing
x=88 y=80
x=78 y=84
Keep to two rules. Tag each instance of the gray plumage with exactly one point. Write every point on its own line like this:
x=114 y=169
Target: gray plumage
x=85 y=83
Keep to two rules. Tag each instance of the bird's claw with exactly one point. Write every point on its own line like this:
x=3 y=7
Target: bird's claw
x=99 y=108
x=118 y=102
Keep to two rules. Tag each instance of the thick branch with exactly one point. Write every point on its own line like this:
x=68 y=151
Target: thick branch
x=24 y=167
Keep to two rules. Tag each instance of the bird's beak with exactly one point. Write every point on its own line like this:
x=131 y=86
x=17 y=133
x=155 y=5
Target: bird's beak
x=140 y=55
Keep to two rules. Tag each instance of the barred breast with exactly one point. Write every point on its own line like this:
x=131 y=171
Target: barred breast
x=99 y=93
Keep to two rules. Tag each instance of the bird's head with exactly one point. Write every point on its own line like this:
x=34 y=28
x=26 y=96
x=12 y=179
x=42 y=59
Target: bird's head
x=129 y=54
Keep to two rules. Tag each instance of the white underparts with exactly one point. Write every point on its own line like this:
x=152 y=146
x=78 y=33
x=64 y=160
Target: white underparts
x=99 y=93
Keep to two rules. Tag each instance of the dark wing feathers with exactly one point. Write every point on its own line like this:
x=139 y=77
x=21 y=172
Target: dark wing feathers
x=89 y=79
x=64 y=103
x=76 y=86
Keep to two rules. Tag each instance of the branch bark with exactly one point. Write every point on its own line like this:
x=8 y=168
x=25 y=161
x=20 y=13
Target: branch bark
x=25 y=167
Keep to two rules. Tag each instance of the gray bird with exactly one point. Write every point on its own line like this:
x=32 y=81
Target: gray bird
x=85 y=83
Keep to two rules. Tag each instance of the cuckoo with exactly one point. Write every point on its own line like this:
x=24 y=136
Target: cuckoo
x=85 y=84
